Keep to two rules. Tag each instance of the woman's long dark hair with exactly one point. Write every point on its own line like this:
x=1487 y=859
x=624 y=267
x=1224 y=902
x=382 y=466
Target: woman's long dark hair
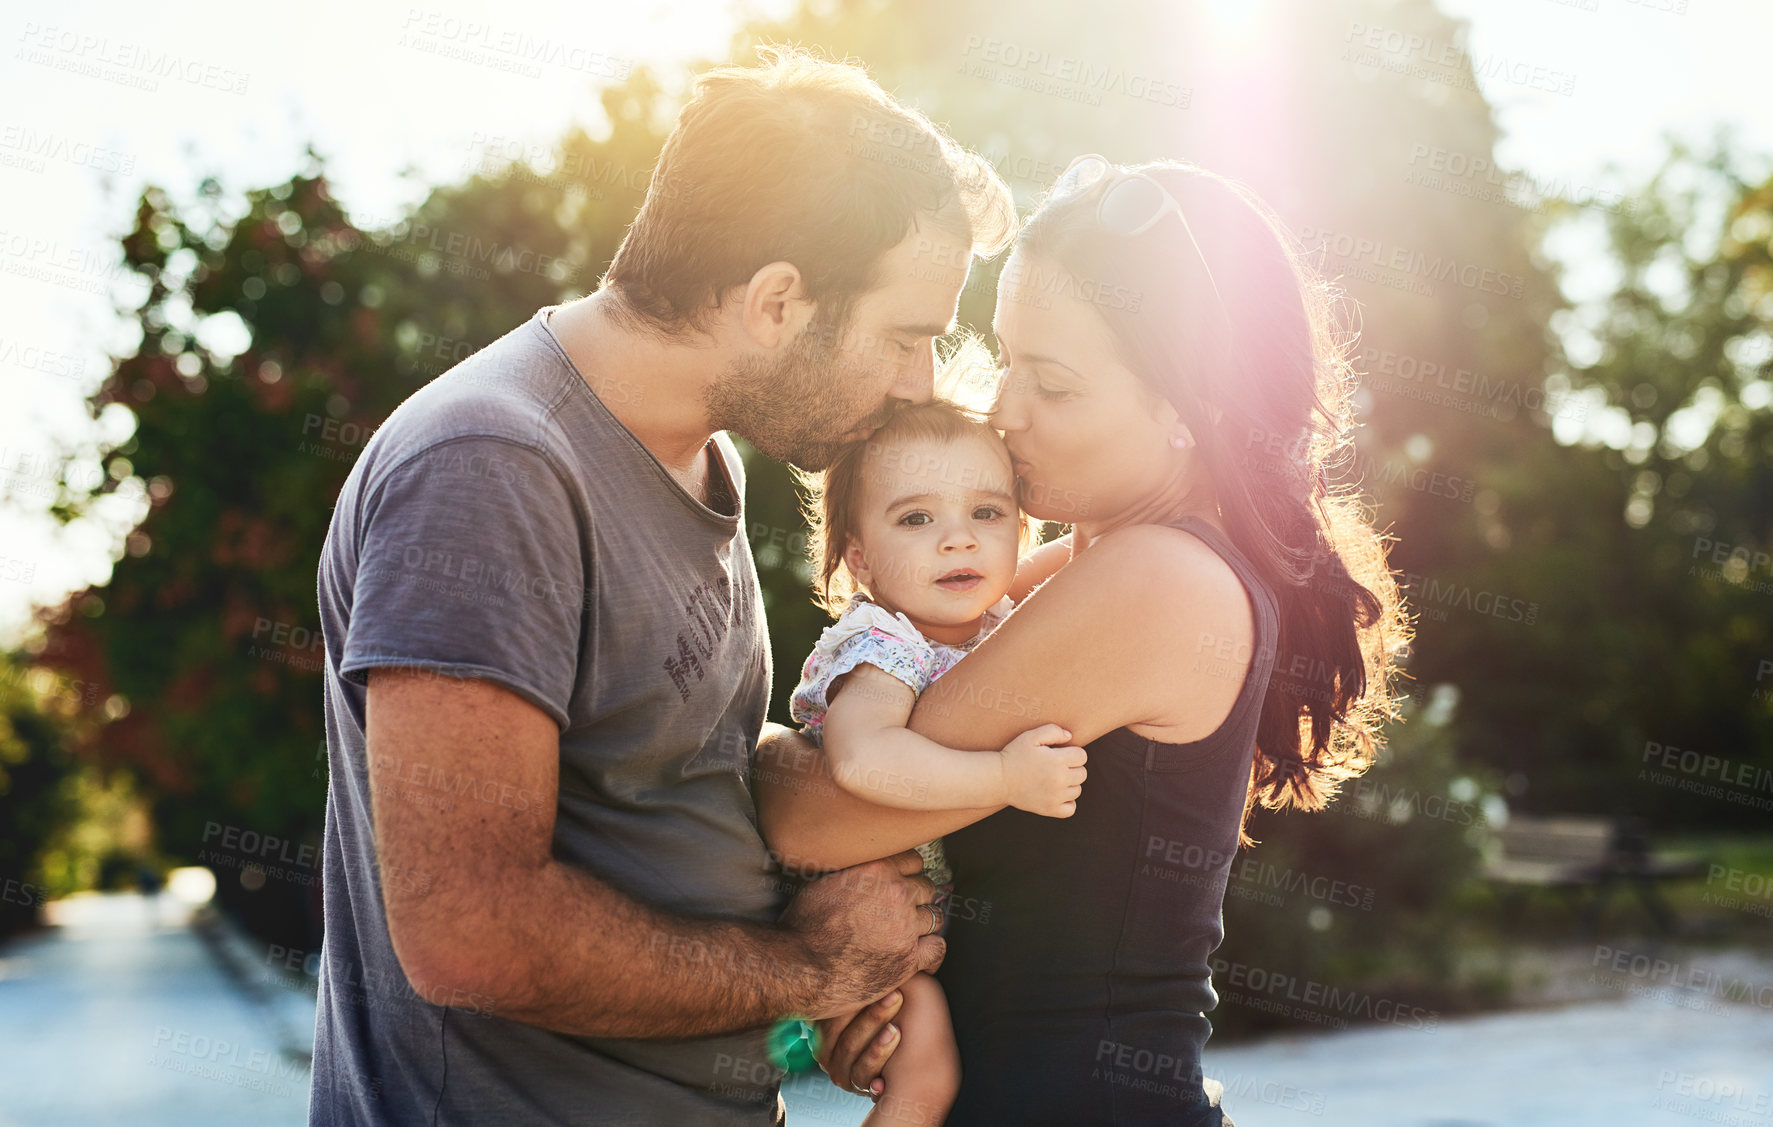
x=1256 y=361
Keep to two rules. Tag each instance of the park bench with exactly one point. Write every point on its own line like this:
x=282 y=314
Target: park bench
x=1583 y=859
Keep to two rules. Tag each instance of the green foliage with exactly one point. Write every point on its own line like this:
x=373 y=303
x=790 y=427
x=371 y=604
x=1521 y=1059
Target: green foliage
x=206 y=625
x=34 y=771
x=1640 y=545
x=1370 y=890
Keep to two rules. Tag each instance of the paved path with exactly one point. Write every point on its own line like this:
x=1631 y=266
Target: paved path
x=1645 y=1062
x=121 y=1015
x=1667 y=1058
x=124 y=1014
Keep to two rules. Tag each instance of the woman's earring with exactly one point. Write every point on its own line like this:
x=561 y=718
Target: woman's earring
x=1179 y=441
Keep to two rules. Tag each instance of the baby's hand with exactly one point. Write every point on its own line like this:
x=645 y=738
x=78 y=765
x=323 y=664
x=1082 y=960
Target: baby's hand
x=1041 y=774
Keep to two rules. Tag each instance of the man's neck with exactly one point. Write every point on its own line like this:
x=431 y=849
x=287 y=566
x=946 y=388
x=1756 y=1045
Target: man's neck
x=652 y=386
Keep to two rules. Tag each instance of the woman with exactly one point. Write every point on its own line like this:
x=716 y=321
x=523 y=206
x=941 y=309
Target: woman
x=1219 y=629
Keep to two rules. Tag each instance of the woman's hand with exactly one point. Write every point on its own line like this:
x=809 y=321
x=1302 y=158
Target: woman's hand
x=853 y=1050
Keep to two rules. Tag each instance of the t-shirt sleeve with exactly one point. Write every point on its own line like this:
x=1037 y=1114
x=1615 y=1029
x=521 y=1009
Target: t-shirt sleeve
x=911 y=662
x=469 y=565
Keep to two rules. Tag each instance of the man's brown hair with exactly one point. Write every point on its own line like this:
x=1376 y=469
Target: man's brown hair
x=800 y=160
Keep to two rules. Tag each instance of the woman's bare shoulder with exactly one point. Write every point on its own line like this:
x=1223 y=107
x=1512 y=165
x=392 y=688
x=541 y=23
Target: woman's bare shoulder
x=1181 y=566
x=1197 y=629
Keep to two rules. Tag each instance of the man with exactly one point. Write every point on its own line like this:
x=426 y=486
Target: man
x=547 y=670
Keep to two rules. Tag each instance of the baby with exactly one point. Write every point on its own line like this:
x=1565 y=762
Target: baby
x=917 y=534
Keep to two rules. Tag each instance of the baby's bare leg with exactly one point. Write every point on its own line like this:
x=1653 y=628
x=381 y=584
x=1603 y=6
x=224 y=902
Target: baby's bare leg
x=922 y=1077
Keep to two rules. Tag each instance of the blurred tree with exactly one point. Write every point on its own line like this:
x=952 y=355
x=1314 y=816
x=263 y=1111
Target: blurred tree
x=271 y=347
x=272 y=343
x=36 y=712
x=1647 y=543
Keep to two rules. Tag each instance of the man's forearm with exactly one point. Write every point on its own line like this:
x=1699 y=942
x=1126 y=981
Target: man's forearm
x=568 y=953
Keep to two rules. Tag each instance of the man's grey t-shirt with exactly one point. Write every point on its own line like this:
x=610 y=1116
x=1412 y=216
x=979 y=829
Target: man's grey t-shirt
x=503 y=525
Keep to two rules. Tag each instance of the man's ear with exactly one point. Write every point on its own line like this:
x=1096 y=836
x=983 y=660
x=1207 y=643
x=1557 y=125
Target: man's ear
x=856 y=563
x=775 y=307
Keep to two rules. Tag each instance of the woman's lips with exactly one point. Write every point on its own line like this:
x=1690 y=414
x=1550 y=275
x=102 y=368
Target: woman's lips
x=1019 y=467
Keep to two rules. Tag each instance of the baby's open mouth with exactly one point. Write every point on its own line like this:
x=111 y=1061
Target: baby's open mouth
x=960 y=579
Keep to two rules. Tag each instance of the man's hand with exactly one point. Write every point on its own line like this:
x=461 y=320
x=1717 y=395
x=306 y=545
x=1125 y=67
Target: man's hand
x=868 y=929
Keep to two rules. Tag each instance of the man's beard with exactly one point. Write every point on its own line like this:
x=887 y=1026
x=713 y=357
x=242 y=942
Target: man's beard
x=798 y=409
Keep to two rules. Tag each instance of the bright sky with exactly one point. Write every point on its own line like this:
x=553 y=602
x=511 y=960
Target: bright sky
x=380 y=88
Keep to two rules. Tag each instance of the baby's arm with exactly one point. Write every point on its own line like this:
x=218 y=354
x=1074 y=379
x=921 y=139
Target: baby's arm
x=874 y=756
x=1038 y=566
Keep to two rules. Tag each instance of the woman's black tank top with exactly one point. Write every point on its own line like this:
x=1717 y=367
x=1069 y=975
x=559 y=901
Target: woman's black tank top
x=1077 y=970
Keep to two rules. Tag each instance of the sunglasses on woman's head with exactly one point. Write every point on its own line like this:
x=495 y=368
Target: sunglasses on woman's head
x=1131 y=204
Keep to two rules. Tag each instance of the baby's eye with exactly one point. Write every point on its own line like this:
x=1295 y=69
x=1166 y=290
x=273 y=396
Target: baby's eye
x=915 y=519
x=987 y=512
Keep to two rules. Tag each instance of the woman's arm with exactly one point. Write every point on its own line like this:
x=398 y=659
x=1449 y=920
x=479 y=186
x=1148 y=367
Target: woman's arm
x=1038 y=566
x=1125 y=634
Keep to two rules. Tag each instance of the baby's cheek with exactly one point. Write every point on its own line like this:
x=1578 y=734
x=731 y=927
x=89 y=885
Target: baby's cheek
x=1007 y=547
x=895 y=572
